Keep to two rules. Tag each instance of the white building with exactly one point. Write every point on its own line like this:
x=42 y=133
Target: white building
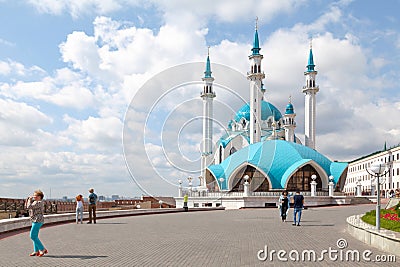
x=357 y=173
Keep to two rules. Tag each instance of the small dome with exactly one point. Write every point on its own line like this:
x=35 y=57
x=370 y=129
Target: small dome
x=289 y=109
x=267 y=110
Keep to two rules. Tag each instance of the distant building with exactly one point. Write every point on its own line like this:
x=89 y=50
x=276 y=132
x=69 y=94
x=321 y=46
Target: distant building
x=114 y=197
x=102 y=198
x=357 y=173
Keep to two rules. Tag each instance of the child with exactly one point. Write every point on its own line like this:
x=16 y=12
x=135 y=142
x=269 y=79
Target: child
x=79 y=208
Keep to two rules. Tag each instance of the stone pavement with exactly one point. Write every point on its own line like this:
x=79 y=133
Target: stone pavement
x=211 y=238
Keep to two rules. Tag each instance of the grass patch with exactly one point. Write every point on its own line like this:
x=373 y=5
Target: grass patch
x=389 y=218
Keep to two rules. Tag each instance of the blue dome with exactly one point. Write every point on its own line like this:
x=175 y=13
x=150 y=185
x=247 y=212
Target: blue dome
x=267 y=110
x=289 y=109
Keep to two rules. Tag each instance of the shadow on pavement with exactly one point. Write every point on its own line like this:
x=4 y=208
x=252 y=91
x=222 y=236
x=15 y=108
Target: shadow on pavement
x=110 y=223
x=82 y=257
x=317 y=225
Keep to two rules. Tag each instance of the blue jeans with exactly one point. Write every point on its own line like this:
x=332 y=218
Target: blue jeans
x=297 y=210
x=79 y=214
x=34 y=235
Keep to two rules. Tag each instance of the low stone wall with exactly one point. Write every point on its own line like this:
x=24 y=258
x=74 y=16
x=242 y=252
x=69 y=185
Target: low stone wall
x=14 y=224
x=385 y=240
x=231 y=202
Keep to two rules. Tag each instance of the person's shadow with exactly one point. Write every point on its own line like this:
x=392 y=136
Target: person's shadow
x=82 y=257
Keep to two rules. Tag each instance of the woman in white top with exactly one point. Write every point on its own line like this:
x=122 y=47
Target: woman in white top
x=79 y=208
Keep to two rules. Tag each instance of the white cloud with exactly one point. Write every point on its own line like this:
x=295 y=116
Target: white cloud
x=105 y=70
x=99 y=134
x=77 y=7
x=10 y=67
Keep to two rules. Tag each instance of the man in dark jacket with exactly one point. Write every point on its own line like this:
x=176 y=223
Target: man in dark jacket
x=298 y=205
x=92 y=205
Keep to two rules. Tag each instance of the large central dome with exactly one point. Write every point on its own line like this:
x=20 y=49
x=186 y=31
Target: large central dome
x=267 y=110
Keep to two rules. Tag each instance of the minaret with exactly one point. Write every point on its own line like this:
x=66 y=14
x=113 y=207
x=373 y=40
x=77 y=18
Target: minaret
x=310 y=90
x=256 y=90
x=289 y=123
x=207 y=95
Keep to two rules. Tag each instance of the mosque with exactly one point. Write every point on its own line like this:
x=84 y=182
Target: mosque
x=260 y=149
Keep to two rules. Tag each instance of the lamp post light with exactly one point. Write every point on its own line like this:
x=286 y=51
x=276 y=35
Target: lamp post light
x=221 y=181
x=330 y=186
x=358 y=187
x=378 y=169
x=313 y=185
x=190 y=183
x=180 y=188
x=160 y=203
x=246 y=185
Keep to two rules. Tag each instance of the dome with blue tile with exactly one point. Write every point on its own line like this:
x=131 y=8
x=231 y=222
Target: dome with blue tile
x=267 y=110
x=289 y=109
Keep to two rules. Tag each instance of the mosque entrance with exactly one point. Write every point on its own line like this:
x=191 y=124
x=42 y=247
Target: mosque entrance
x=302 y=178
x=258 y=182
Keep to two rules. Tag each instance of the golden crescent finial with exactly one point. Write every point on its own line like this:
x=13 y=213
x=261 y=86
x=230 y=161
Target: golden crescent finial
x=256 y=23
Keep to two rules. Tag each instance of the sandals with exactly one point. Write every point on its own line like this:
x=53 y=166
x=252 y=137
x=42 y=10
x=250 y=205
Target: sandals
x=34 y=254
x=42 y=253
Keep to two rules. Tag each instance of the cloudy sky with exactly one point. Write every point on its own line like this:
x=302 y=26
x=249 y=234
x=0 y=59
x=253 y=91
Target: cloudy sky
x=74 y=74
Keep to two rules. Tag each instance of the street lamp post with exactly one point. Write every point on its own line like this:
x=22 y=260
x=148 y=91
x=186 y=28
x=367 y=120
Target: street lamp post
x=180 y=188
x=190 y=183
x=358 y=187
x=246 y=185
x=377 y=169
x=330 y=186
x=313 y=185
x=221 y=181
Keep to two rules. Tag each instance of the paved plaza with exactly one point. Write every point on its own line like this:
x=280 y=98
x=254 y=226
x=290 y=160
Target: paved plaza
x=208 y=238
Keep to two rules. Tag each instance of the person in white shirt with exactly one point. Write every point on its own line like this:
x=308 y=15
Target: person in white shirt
x=79 y=208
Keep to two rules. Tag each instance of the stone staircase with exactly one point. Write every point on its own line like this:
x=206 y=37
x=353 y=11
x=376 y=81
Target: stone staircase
x=360 y=200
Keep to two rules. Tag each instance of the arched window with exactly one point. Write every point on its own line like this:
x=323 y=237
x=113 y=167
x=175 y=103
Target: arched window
x=258 y=182
x=259 y=68
x=302 y=178
x=232 y=150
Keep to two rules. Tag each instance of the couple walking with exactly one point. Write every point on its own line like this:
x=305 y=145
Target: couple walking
x=298 y=205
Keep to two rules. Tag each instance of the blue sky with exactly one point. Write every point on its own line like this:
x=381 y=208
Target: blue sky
x=70 y=69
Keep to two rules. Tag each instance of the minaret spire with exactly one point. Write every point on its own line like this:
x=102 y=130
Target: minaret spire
x=255 y=75
x=310 y=65
x=207 y=95
x=256 y=43
x=310 y=90
x=288 y=122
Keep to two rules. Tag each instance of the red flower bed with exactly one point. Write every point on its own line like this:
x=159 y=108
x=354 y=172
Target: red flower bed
x=391 y=217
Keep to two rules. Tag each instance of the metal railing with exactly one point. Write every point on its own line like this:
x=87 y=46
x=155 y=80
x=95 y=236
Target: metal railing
x=241 y=194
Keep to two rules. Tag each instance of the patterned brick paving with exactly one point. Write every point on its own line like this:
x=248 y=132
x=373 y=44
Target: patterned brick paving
x=214 y=238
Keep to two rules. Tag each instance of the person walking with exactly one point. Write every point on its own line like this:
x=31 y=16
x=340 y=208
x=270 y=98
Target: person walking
x=284 y=205
x=79 y=208
x=92 y=205
x=35 y=207
x=185 y=202
x=298 y=205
